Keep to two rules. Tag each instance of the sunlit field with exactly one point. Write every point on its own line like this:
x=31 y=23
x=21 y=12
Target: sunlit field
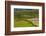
x=26 y=18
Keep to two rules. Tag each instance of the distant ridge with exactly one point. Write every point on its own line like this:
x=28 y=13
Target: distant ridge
x=19 y=9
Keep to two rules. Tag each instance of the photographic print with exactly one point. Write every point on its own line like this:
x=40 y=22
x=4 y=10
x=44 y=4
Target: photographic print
x=24 y=18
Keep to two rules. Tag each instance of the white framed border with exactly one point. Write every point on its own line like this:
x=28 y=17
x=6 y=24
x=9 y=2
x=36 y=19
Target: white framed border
x=25 y=28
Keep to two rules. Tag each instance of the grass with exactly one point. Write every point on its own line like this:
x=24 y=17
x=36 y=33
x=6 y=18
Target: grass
x=21 y=18
x=22 y=23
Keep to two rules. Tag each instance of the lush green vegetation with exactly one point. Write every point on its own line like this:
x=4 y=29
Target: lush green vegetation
x=21 y=17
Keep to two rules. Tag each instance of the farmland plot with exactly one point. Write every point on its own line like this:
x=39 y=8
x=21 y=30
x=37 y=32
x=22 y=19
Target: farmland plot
x=26 y=18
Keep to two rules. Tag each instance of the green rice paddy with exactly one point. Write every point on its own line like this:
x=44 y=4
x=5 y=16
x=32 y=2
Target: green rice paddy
x=21 y=18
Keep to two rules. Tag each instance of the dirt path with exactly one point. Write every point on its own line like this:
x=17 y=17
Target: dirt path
x=30 y=22
x=34 y=20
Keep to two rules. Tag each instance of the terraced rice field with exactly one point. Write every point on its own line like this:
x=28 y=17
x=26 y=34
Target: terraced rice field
x=26 y=23
x=26 y=17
